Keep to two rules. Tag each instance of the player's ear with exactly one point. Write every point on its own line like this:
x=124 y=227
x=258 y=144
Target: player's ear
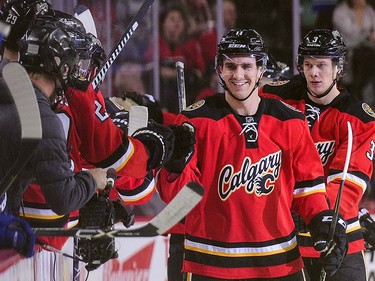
x=260 y=72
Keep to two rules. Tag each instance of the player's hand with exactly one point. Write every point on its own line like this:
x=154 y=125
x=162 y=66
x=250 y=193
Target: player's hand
x=16 y=233
x=183 y=149
x=367 y=228
x=100 y=177
x=332 y=252
x=119 y=116
x=159 y=141
x=129 y=99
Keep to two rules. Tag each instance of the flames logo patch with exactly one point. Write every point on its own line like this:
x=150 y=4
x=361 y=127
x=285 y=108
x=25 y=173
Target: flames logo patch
x=196 y=105
x=366 y=108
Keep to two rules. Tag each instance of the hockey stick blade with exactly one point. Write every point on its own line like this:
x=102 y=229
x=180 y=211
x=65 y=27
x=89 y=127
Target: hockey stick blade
x=138 y=118
x=83 y=13
x=188 y=197
x=180 y=67
x=23 y=94
x=99 y=77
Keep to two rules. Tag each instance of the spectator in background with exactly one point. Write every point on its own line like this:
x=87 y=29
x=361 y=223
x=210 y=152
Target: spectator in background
x=128 y=78
x=208 y=40
x=355 y=19
x=140 y=40
x=176 y=45
x=199 y=16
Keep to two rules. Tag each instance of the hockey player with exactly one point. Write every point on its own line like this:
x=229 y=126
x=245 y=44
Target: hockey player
x=92 y=137
x=257 y=162
x=19 y=14
x=63 y=190
x=328 y=107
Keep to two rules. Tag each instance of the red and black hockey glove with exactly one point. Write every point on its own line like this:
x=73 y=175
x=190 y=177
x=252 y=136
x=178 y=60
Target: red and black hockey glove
x=332 y=252
x=154 y=109
x=16 y=233
x=183 y=149
x=367 y=228
x=119 y=116
x=159 y=141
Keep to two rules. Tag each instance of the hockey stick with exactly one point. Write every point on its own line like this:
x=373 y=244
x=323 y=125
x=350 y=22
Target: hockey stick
x=99 y=77
x=335 y=216
x=177 y=209
x=23 y=94
x=138 y=118
x=181 y=85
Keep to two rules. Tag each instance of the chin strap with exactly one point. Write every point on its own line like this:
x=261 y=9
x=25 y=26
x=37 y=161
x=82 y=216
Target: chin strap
x=325 y=93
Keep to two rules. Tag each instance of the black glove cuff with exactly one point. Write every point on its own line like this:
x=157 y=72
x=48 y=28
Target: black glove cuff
x=159 y=149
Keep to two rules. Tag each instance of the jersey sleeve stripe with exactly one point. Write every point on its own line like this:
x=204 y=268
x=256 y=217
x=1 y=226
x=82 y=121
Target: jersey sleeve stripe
x=127 y=198
x=241 y=251
x=349 y=177
x=121 y=162
x=308 y=190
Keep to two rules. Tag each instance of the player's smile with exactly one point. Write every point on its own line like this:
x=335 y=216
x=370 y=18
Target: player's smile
x=239 y=74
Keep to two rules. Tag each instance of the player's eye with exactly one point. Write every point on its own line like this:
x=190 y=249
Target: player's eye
x=230 y=66
x=248 y=66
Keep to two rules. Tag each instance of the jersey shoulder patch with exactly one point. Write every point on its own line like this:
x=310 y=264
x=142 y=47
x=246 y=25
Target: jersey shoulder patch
x=366 y=108
x=277 y=83
x=195 y=105
x=289 y=106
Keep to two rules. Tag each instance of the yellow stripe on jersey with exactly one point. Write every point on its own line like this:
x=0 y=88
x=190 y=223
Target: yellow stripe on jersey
x=350 y=178
x=241 y=251
x=121 y=162
x=301 y=192
x=43 y=214
x=139 y=196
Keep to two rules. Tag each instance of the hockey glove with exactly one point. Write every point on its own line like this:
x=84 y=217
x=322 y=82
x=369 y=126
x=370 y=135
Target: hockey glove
x=16 y=233
x=183 y=149
x=119 y=116
x=367 y=228
x=128 y=99
x=332 y=252
x=122 y=214
x=159 y=141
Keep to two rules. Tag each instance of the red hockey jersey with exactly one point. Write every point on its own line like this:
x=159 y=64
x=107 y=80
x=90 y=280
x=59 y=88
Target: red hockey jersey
x=104 y=144
x=328 y=128
x=255 y=170
x=101 y=143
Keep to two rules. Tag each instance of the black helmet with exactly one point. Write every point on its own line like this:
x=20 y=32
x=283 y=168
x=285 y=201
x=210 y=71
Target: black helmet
x=242 y=41
x=19 y=14
x=70 y=22
x=277 y=70
x=91 y=57
x=48 y=48
x=97 y=52
x=324 y=43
